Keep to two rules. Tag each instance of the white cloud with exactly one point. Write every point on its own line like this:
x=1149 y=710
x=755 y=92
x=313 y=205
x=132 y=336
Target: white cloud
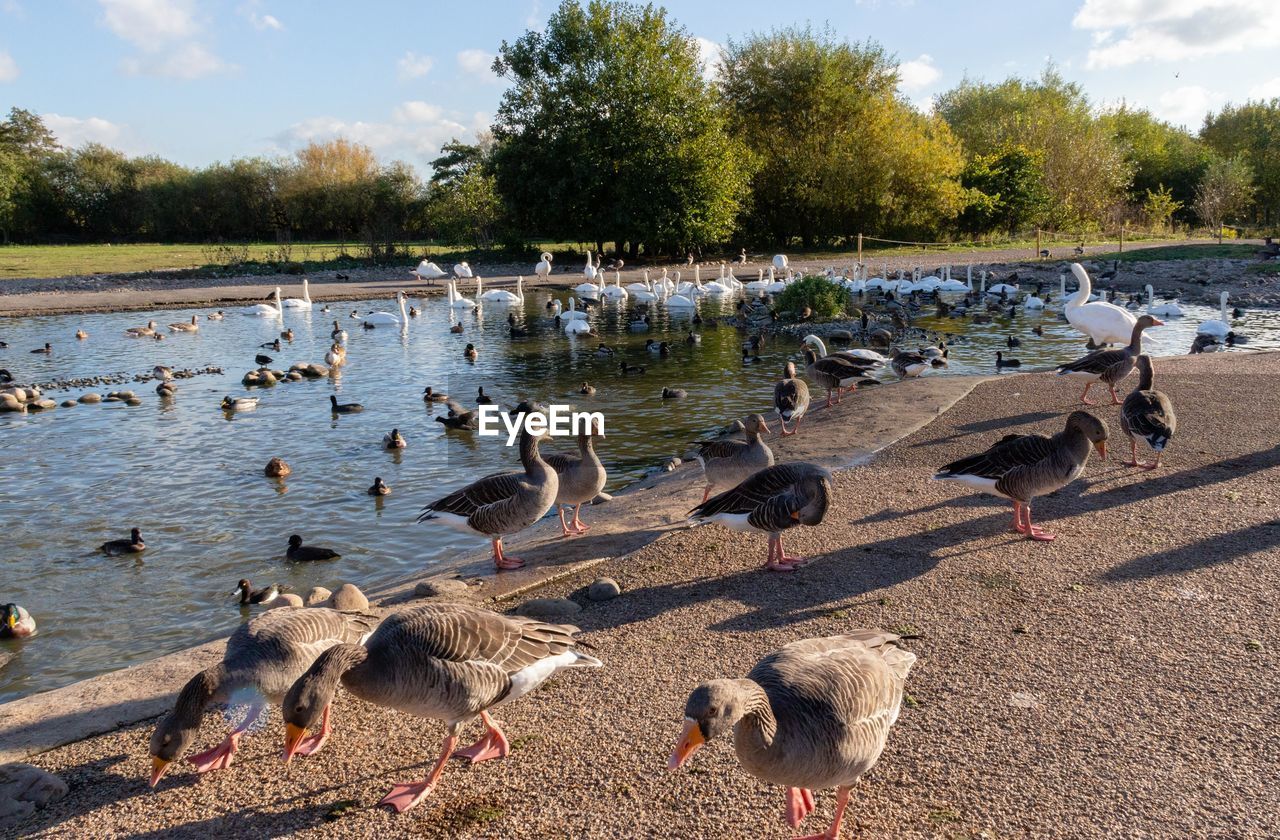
x=918 y=73
x=12 y=7
x=477 y=63
x=74 y=131
x=188 y=61
x=1131 y=31
x=709 y=55
x=1265 y=90
x=8 y=67
x=146 y=23
x=264 y=22
x=413 y=133
x=1186 y=106
x=413 y=66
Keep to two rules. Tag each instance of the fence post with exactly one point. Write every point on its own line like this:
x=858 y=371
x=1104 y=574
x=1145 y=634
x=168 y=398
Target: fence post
x=1122 y=239
x=1037 y=243
x=1219 y=233
x=859 y=249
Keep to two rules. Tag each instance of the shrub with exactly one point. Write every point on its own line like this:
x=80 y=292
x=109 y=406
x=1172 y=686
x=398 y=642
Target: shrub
x=818 y=293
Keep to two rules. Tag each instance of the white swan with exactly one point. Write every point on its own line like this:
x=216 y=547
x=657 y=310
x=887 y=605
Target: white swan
x=760 y=284
x=1169 y=309
x=387 y=319
x=577 y=327
x=1216 y=327
x=574 y=313
x=1104 y=322
x=428 y=270
x=267 y=309
x=951 y=285
x=615 y=292
x=718 y=287
x=855 y=353
x=587 y=291
x=462 y=270
x=543 y=268
x=1032 y=302
x=681 y=294
x=589 y=271
x=645 y=294
x=504 y=296
x=780 y=262
x=304 y=302
x=457 y=301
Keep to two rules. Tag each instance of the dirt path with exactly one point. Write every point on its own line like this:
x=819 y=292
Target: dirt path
x=1118 y=682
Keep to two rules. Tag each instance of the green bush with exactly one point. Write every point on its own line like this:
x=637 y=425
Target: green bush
x=825 y=298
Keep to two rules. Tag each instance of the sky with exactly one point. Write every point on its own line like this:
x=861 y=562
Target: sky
x=197 y=81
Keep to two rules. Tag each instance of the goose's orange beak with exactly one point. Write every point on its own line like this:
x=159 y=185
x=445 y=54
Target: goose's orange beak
x=1101 y=446
x=158 y=766
x=690 y=740
x=1156 y=322
x=293 y=735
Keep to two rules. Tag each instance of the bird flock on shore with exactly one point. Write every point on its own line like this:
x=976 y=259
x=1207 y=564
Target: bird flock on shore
x=814 y=714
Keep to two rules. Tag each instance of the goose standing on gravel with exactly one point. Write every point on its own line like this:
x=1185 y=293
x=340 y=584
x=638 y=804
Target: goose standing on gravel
x=17 y=622
x=267 y=310
x=1022 y=467
x=300 y=303
x=834 y=373
x=263 y=657
x=727 y=462
x=814 y=714
x=1104 y=322
x=1109 y=366
x=450 y=662
x=1216 y=327
x=1147 y=415
x=499 y=505
x=790 y=399
x=133 y=545
x=581 y=477
x=772 y=500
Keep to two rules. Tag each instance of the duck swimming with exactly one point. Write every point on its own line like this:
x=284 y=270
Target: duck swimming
x=378 y=488
x=16 y=622
x=133 y=545
x=300 y=553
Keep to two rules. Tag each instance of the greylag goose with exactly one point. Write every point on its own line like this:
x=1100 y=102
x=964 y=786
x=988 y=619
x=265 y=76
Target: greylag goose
x=790 y=399
x=772 y=500
x=300 y=553
x=1021 y=467
x=581 y=477
x=1109 y=366
x=458 y=417
x=249 y=595
x=503 y=504
x=133 y=545
x=264 y=656
x=450 y=662
x=184 y=326
x=17 y=624
x=814 y=714
x=905 y=364
x=1147 y=415
x=379 y=488
x=832 y=372
x=727 y=462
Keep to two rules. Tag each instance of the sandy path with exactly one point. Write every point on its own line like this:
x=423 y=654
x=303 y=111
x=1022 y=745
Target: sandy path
x=1118 y=682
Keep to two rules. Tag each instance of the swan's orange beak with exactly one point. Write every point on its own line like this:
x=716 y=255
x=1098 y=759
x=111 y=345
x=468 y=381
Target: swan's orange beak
x=293 y=735
x=1101 y=446
x=690 y=740
x=158 y=766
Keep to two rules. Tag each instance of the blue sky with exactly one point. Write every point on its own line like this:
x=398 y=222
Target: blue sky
x=203 y=80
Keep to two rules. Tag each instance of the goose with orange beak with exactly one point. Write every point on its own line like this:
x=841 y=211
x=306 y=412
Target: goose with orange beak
x=814 y=714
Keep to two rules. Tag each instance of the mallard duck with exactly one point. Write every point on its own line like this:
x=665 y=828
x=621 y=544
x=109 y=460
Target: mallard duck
x=790 y=399
x=429 y=395
x=133 y=545
x=300 y=553
x=1109 y=366
x=456 y=329
x=17 y=622
x=451 y=662
x=581 y=477
x=216 y=316
x=503 y=504
x=815 y=714
x=394 y=440
x=249 y=595
x=628 y=369
x=264 y=657
x=239 y=403
x=772 y=500
x=1022 y=467
x=336 y=407
x=470 y=354
x=81 y=334
x=276 y=468
x=588 y=389
x=338 y=333
x=378 y=488
x=727 y=462
x=1147 y=415
x=287 y=335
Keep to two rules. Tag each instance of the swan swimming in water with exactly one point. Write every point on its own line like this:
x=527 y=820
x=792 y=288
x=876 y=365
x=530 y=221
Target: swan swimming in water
x=300 y=303
x=504 y=296
x=387 y=319
x=266 y=309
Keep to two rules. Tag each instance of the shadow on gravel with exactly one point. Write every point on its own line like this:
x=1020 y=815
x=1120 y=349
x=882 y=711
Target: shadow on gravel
x=1211 y=551
x=1157 y=484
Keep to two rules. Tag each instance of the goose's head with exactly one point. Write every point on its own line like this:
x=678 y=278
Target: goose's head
x=711 y=711
x=176 y=732
x=1091 y=427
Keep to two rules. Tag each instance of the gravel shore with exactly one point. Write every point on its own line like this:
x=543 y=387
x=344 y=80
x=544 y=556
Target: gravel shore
x=1119 y=682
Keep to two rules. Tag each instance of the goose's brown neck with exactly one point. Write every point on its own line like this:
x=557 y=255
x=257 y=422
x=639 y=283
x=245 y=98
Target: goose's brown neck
x=757 y=720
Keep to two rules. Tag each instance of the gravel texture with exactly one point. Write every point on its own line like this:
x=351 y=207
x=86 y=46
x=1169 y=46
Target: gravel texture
x=1119 y=682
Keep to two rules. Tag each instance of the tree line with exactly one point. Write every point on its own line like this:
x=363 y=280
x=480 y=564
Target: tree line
x=611 y=132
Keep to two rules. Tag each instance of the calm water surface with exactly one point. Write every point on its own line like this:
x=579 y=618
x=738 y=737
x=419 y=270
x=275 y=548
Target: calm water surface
x=191 y=477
